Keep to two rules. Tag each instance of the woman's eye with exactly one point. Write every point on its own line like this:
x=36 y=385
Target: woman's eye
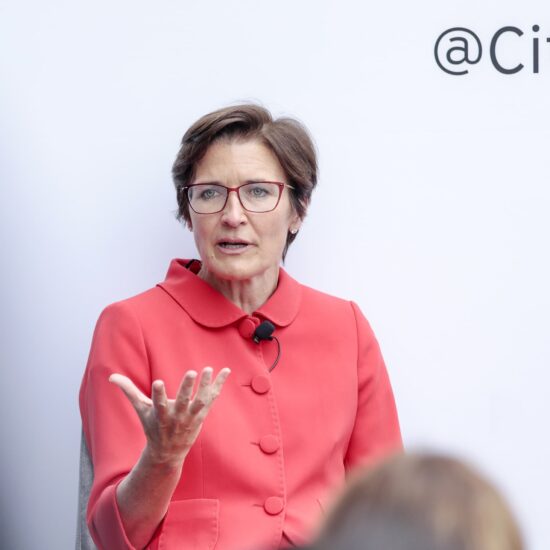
x=258 y=192
x=207 y=194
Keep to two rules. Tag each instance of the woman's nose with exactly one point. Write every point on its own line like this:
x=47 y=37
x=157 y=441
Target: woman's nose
x=233 y=213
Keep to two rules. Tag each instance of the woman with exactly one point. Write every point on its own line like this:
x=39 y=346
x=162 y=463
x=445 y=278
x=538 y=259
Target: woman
x=420 y=502
x=299 y=409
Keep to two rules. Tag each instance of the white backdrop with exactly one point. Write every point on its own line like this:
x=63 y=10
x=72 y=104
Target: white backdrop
x=431 y=212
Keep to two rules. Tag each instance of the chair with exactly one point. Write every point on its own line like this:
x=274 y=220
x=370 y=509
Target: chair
x=86 y=476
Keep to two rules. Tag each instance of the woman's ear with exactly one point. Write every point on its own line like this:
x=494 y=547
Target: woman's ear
x=295 y=223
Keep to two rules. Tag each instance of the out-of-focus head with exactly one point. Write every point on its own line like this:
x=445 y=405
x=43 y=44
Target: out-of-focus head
x=420 y=502
x=286 y=138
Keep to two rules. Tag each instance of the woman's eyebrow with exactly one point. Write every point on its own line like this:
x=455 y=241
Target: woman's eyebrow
x=216 y=182
x=213 y=182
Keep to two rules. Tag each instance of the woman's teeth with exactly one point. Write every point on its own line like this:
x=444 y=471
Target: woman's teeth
x=232 y=245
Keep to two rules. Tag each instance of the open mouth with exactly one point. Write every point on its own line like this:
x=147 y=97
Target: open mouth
x=232 y=245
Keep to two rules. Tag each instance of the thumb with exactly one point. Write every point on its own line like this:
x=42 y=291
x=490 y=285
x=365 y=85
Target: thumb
x=136 y=397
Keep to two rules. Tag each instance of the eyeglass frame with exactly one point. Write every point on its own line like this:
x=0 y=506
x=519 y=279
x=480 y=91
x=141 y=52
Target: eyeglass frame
x=280 y=185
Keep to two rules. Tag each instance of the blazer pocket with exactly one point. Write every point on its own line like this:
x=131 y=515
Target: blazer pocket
x=190 y=525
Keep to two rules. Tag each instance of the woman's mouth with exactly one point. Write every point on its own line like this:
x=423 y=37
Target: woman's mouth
x=233 y=247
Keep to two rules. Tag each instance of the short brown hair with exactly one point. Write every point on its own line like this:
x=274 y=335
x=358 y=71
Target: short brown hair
x=421 y=502
x=286 y=137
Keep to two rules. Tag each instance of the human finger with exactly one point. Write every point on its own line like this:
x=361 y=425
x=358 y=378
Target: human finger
x=134 y=395
x=184 y=392
x=202 y=397
x=160 y=401
x=219 y=381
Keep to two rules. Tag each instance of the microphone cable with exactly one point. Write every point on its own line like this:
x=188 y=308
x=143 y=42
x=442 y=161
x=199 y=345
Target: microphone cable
x=264 y=331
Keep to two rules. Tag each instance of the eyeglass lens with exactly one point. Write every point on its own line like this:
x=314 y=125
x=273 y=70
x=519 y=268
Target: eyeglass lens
x=208 y=198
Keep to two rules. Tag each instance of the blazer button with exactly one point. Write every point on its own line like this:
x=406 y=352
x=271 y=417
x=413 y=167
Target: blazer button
x=248 y=326
x=269 y=444
x=274 y=505
x=261 y=384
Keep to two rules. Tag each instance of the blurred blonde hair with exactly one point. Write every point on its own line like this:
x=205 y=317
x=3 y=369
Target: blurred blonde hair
x=420 y=502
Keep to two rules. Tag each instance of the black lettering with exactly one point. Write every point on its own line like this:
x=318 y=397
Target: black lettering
x=536 y=28
x=494 y=59
x=463 y=49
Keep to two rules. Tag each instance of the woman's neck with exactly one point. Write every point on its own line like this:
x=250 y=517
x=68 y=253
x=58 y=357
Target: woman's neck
x=248 y=294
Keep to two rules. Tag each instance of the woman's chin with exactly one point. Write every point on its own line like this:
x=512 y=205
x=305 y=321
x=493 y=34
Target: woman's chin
x=236 y=268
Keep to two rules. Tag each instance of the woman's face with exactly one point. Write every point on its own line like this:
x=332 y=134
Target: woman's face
x=261 y=237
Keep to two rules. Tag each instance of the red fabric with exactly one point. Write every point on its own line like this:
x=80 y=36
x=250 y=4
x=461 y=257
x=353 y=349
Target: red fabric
x=326 y=408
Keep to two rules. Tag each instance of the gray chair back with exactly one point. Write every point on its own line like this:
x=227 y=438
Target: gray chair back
x=86 y=476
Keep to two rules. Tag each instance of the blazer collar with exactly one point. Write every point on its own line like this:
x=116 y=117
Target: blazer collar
x=210 y=308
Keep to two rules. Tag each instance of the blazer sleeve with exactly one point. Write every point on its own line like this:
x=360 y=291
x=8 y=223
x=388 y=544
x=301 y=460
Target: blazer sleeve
x=376 y=432
x=111 y=426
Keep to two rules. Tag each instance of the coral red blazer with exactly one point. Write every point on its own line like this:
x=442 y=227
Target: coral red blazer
x=275 y=446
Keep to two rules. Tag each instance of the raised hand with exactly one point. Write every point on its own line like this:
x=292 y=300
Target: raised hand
x=171 y=426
